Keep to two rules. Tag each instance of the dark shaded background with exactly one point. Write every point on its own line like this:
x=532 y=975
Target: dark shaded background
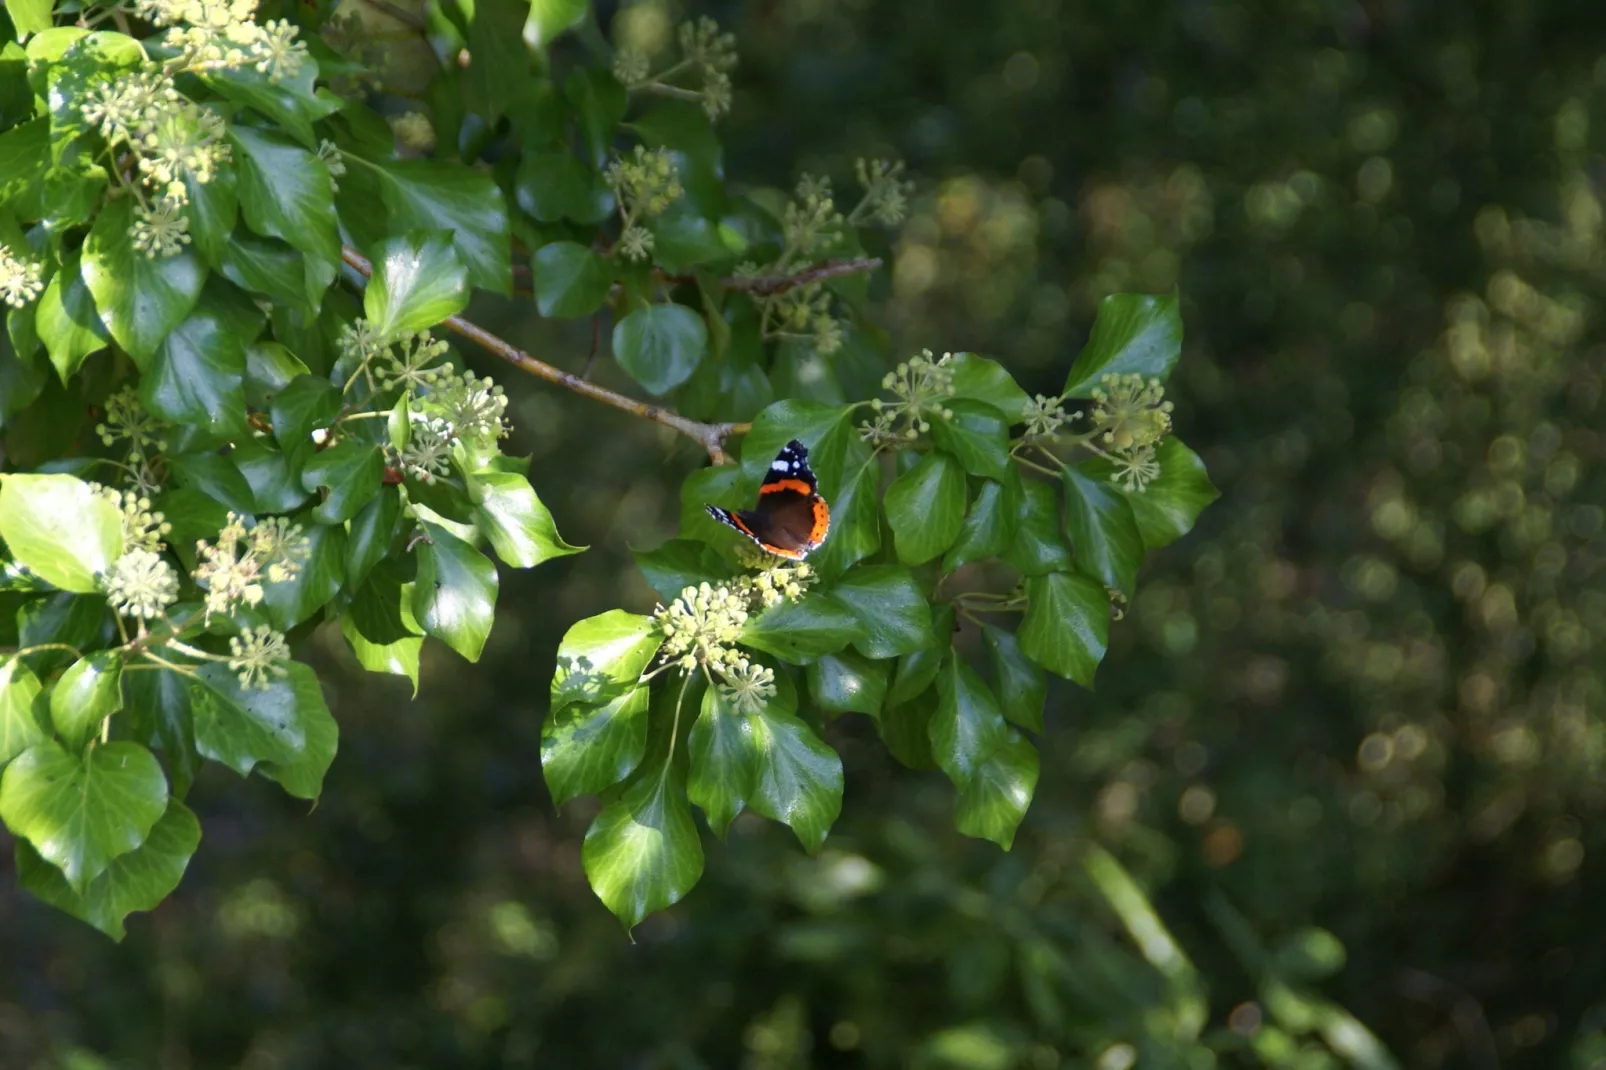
x=1365 y=695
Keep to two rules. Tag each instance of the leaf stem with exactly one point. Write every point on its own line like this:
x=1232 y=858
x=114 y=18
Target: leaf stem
x=674 y=729
x=710 y=436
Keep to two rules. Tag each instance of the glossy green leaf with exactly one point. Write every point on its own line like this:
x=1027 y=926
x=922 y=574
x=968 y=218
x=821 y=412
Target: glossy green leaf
x=1133 y=334
x=289 y=602
x=275 y=488
x=136 y=881
x=1105 y=541
x=1067 y=625
x=284 y=192
x=1039 y=545
x=550 y=18
x=984 y=380
x=855 y=522
x=79 y=814
x=570 y=280
x=1020 y=684
x=726 y=761
x=926 y=508
x=398 y=658
x=158 y=703
x=557 y=185
x=1167 y=508
x=268 y=267
x=79 y=621
x=212 y=210
x=836 y=451
x=994 y=800
x=905 y=729
x=454 y=597
x=602 y=657
x=517 y=523
x=292 y=102
x=988 y=528
x=797 y=631
x=20 y=725
x=372 y=531
x=67 y=322
x=445 y=195
x=976 y=435
x=848 y=682
x=284 y=731
x=418 y=281
x=197 y=377
x=891 y=608
x=215 y=476
x=800 y=777
x=33 y=16
x=308 y=403
x=58 y=527
x=269 y=368
x=139 y=299
x=350 y=472
x=968 y=726
x=85 y=695
x=600 y=101
x=642 y=853
x=660 y=345
x=587 y=749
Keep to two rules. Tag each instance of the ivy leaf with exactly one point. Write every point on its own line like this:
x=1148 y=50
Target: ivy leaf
x=215 y=476
x=454 y=597
x=197 y=377
x=570 y=280
x=20 y=726
x=269 y=368
x=642 y=853
x=602 y=657
x=797 y=631
x=398 y=658
x=67 y=322
x=438 y=194
x=1104 y=533
x=890 y=607
x=987 y=381
x=1067 y=625
x=1167 y=508
x=269 y=267
x=557 y=185
x=1021 y=684
x=660 y=346
x=601 y=102
x=587 y=749
x=274 y=487
x=373 y=529
x=726 y=761
x=158 y=701
x=976 y=435
x=212 y=209
x=926 y=508
x=836 y=452
x=284 y=192
x=1038 y=546
x=800 y=778
x=81 y=814
x=968 y=725
x=63 y=531
x=848 y=682
x=289 y=602
x=81 y=621
x=140 y=300
x=1133 y=334
x=351 y=470
x=855 y=523
x=418 y=281
x=308 y=403
x=293 y=103
x=678 y=564
x=988 y=528
x=285 y=731
x=33 y=16
x=516 y=521
x=550 y=18
x=87 y=693
x=995 y=799
x=136 y=881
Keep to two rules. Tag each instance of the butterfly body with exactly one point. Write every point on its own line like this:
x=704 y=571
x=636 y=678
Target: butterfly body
x=790 y=519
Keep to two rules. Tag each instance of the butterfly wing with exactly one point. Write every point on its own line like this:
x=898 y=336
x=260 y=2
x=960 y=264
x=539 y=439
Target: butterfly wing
x=790 y=519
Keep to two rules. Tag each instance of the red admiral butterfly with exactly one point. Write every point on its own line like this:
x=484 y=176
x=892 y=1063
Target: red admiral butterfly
x=791 y=518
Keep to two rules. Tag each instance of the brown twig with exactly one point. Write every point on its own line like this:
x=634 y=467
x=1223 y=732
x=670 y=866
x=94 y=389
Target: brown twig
x=765 y=285
x=710 y=436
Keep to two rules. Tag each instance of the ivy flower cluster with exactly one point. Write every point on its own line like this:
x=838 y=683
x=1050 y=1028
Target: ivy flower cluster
x=428 y=452
x=701 y=627
x=886 y=193
x=126 y=420
x=235 y=566
x=919 y=387
x=472 y=408
x=141 y=584
x=1130 y=416
x=707 y=56
x=387 y=361
x=774 y=579
x=257 y=657
x=223 y=34
x=143 y=527
x=21 y=281
x=1044 y=416
x=646 y=184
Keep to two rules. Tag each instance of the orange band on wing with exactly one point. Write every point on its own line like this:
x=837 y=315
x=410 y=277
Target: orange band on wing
x=791 y=555
x=822 y=521
x=785 y=484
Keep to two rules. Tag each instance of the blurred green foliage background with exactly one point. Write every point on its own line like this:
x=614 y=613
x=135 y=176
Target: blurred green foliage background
x=1345 y=761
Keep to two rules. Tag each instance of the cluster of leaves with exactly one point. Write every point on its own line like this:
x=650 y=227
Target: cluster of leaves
x=941 y=525
x=283 y=447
